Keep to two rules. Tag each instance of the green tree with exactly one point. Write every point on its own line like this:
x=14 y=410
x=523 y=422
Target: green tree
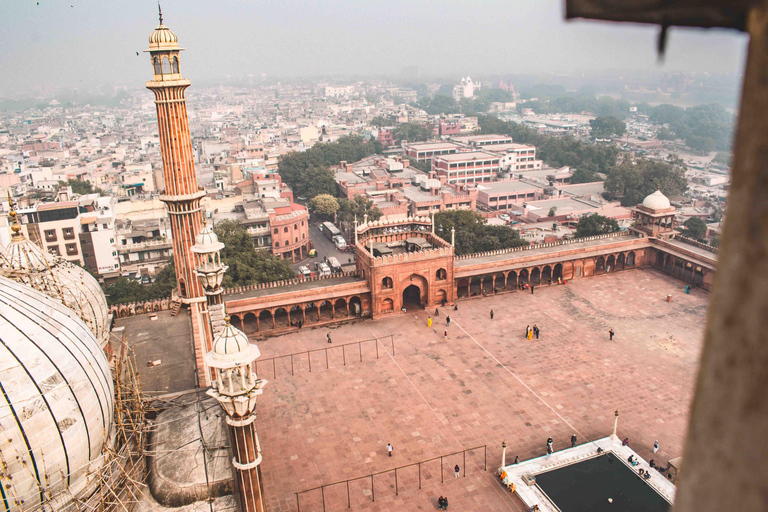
x=695 y=228
x=722 y=158
x=607 y=127
x=665 y=133
x=705 y=128
x=381 y=121
x=308 y=173
x=665 y=114
x=80 y=187
x=584 y=176
x=632 y=180
x=324 y=204
x=593 y=225
x=552 y=211
x=125 y=290
x=164 y=283
x=412 y=132
x=473 y=234
x=358 y=207
x=246 y=265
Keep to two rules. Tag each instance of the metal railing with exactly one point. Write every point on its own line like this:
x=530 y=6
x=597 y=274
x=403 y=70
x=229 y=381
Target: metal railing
x=395 y=470
x=300 y=355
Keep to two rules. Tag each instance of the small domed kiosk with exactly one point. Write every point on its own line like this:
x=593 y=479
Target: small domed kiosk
x=654 y=217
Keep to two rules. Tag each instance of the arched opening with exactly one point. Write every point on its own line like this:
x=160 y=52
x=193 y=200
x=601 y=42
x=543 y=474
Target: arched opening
x=281 y=318
x=698 y=277
x=620 y=262
x=296 y=315
x=688 y=273
x=266 y=322
x=511 y=280
x=488 y=284
x=326 y=311
x=355 y=306
x=546 y=274
x=182 y=288
x=386 y=282
x=157 y=66
x=340 y=308
x=175 y=65
x=166 y=66
x=630 y=259
x=236 y=322
x=523 y=278
x=669 y=265
x=536 y=276
x=412 y=297
x=250 y=325
x=440 y=297
x=600 y=265
x=475 y=286
x=678 y=271
x=311 y=313
x=557 y=272
x=387 y=305
x=441 y=274
x=610 y=263
x=498 y=282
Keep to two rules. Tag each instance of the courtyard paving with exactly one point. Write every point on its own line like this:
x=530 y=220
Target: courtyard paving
x=482 y=384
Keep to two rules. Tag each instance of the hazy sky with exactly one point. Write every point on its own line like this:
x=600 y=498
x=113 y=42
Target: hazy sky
x=75 y=42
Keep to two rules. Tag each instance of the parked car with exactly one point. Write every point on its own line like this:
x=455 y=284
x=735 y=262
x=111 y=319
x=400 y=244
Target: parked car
x=304 y=271
x=504 y=217
x=324 y=270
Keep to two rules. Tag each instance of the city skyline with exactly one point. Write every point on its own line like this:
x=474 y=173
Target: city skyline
x=83 y=43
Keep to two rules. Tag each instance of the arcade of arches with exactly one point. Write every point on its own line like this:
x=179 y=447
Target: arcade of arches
x=433 y=286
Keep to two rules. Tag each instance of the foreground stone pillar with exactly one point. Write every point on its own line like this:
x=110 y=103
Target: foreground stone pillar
x=728 y=432
x=247 y=457
x=236 y=388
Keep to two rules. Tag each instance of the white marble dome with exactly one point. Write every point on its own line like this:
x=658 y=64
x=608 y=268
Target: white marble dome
x=656 y=201
x=56 y=401
x=163 y=37
x=25 y=262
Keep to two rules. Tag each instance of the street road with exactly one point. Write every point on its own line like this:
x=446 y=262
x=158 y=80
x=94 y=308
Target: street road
x=324 y=248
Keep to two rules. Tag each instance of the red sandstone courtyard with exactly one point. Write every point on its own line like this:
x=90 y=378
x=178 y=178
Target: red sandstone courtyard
x=483 y=384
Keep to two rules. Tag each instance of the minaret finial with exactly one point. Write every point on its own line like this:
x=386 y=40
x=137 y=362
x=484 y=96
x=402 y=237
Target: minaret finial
x=15 y=226
x=160 y=11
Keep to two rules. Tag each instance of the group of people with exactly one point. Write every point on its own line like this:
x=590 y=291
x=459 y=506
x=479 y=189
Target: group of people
x=531 y=332
x=442 y=503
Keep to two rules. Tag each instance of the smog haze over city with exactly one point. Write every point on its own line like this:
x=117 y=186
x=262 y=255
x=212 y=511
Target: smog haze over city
x=87 y=44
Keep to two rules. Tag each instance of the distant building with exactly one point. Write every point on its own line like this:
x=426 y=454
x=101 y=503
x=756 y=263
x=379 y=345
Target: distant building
x=469 y=167
x=424 y=151
x=465 y=89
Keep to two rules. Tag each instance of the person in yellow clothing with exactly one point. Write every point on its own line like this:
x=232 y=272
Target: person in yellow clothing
x=530 y=334
x=429 y=322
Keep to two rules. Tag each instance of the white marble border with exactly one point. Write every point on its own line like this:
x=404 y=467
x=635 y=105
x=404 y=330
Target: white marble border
x=532 y=494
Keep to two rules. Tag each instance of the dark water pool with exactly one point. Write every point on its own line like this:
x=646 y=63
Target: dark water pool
x=586 y=487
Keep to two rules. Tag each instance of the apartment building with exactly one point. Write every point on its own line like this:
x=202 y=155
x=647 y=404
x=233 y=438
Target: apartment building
x=425 y=151
x=466 y=168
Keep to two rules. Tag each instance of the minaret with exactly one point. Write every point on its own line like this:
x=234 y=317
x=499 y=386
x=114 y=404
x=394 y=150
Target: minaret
x=182 y=194
x=210 y=273
x=236 y=388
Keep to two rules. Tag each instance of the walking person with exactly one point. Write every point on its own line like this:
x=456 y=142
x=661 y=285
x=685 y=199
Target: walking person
x=527 y=330
x=530 y=334
x=655 y=447
x=445 y=333
x=491 y=314
x=456 y=471
x=549 y=450
x=573 y=441
x=429 y=321
x=447 y=321
x=389 y=449
x=536 y=331
x=549 y=441
x=328 y=336
x=531 y=289
x=610 y=333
